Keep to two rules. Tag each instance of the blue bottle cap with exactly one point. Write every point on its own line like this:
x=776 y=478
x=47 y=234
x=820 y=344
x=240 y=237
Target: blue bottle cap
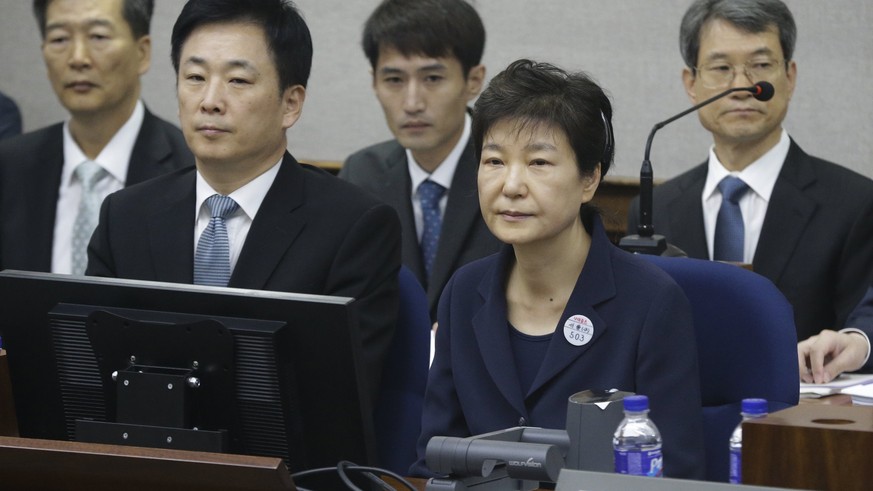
x=754 y=406
x=636 y=403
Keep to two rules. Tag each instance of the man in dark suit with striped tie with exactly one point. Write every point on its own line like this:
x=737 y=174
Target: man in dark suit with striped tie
x=53 y=179
x=248 y=215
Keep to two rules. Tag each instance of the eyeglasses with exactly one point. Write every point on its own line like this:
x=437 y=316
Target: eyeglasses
x=719 y=74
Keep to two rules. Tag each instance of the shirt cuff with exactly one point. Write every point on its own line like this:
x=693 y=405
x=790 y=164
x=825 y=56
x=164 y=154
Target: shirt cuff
x=862 y=333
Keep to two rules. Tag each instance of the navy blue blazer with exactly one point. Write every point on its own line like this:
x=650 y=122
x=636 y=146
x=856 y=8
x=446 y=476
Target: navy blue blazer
x=643 y=342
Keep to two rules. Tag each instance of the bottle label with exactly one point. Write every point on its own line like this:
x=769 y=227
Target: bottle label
x=736 y=470
x=639 y=462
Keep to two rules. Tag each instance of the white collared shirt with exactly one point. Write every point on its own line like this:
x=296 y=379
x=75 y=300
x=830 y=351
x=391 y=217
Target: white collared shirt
x=761 y=177
x=249 y=198
x=114 y=158
x=443 y=175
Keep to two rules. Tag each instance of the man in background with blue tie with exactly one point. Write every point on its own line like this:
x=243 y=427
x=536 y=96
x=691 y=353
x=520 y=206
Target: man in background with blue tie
x=425 y=60
x=53 y=180
x=804 y=223
x=248 y=215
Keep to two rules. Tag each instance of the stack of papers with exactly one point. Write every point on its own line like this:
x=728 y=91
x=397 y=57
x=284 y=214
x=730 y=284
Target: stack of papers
x=862 y=395
x=838 y=385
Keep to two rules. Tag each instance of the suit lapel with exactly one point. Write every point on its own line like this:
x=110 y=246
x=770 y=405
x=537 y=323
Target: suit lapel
x=788 y=214
x=172 y=251
x=685 y=212
x=595 y=285
x=491 y=328
x=43 y=199
x=151 y=156
x=397 y=191
x=279 y=221
x=463 y=208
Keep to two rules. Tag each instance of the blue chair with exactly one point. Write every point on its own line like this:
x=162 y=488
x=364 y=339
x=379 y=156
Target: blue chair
x=746 y=346
x=404 y=377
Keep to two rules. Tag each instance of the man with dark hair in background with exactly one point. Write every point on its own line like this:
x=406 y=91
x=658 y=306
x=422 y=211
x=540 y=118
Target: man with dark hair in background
x=248 y=215
x=425 y=59
x=52 y=180
x=804 y=223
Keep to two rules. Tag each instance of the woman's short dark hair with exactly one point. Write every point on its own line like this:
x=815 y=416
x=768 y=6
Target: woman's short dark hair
x=284 y=28
x=533 y=93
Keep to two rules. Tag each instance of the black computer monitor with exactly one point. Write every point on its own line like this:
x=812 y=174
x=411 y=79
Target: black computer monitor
x=253 y=372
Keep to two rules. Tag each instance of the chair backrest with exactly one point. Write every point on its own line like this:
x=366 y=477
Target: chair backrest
x=404 y=377
x=746 y=345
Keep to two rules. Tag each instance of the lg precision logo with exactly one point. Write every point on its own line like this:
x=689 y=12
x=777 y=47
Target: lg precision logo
x=525 y=463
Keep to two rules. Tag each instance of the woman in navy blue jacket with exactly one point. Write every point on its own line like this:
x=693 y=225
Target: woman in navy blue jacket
x=559 y=309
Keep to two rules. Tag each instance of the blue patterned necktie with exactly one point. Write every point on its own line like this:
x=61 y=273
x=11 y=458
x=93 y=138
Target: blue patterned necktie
x=429 y=193
x=729 y=229
x=89 y=174
x=212 y=259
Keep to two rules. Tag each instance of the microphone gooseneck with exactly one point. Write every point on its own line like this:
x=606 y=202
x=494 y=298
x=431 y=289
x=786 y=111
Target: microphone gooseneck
x=645 y=240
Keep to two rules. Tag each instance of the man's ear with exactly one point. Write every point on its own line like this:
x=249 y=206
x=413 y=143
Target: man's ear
x=688 y=80
x=292 y=100
x=144 y=51
x=475 y=81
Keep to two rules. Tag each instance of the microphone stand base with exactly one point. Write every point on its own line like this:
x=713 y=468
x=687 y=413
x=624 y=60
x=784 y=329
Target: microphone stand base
x=654 y=245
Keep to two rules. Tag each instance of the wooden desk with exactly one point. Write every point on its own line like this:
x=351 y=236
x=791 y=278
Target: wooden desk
x=28 y=464
x=831 y=400
x=8 y=421
x=811 y=446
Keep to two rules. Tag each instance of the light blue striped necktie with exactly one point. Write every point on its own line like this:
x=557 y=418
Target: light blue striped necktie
x=89 y=174
x=212 y=259
x=729 y=229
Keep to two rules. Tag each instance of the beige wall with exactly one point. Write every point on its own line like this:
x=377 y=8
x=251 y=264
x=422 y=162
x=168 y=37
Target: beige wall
x=629 y=46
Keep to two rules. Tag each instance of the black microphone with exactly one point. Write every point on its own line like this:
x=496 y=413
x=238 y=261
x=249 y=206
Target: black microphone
x=645 y=241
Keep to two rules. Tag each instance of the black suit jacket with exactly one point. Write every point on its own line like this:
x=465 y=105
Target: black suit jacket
x=313 y=234
x=382 y=170
x=862 y=318
x=816 y=242
x=10 y=117
x=30 y=177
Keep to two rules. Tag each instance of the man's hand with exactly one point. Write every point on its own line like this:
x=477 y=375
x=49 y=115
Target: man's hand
x=828 y=354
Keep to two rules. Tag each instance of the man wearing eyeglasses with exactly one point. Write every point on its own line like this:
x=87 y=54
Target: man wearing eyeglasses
x=804 y=223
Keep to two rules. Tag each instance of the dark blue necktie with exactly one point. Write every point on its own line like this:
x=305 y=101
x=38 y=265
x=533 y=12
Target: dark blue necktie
x=212 y=258
x=729 y=229
x=429 y=193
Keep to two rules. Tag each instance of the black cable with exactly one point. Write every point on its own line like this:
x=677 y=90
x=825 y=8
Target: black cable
x=341 y=470
x=312 y=472
x=367 y=470
x=344 y=466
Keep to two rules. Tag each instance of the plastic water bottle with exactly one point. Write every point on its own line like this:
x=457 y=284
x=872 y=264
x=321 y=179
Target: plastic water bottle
x=751 y=409
x=637 y=441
